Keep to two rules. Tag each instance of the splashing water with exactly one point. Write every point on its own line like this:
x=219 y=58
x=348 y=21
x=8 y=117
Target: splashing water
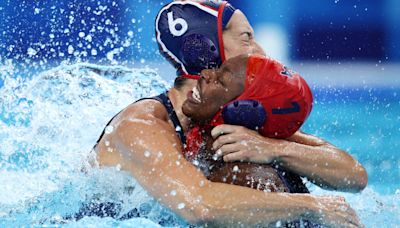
x=48 y=126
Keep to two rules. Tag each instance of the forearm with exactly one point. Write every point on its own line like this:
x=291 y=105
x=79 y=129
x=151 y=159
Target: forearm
x=323 y=164
x=234 y=206
x=231 y=207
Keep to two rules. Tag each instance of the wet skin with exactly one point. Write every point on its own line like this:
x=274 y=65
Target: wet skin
x=216 y=88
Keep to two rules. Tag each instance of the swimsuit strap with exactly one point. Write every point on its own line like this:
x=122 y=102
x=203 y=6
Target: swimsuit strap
x=164 y=99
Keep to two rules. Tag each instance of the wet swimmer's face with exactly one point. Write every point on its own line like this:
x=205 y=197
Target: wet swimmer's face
x=238 y=37
x=215 y=88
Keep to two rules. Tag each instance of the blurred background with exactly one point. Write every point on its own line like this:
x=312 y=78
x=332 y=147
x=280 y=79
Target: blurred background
x=329 y=31
x=349 y=51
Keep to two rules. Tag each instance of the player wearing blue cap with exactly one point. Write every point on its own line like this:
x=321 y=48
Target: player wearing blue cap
x=148 y=135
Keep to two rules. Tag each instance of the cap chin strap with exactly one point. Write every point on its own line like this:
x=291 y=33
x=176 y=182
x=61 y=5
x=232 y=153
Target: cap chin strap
x=220 y=30
x=190 y=76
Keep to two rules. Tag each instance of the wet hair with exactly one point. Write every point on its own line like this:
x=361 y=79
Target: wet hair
x=180 y=82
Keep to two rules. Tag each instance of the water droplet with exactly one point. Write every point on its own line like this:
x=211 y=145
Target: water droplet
x=173 y=193
x=195 y=163
x=235 y=169
x=31 y=52
x=181 y=206
x=201 y=184
x=215 y=157
x=94 y=52
x=147 y=154
x=107 y=143
x=70 y=49
x=109 y=130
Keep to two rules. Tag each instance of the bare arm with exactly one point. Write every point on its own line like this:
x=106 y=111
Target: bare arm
x=323 y=163
x=306 y=155
x=149 y=149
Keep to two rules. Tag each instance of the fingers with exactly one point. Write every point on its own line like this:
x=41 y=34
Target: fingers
x=224 y=129
x=227 y=149
x=224 y=140
x=348 y=214
x=352 y=217
x=339 y=213
x=238 y=156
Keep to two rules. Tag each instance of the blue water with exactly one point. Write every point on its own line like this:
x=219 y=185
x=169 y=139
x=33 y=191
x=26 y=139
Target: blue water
x=50 y=120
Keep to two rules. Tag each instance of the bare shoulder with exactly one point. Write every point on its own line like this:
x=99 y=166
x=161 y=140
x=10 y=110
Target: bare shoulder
x=137 y=127
x=148 y=108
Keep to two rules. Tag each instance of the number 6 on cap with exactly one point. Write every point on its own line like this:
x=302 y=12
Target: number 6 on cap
x=172 y=25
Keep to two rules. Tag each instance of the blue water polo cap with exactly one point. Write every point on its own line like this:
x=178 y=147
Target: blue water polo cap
x=189 y=34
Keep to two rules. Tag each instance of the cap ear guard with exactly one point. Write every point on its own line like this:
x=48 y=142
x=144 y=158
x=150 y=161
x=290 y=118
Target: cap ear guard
x=199 y=52
x=248 y=113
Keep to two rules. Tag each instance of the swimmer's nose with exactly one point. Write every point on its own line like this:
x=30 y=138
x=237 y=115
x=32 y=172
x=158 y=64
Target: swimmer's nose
x=258 y=50
x=205 y=75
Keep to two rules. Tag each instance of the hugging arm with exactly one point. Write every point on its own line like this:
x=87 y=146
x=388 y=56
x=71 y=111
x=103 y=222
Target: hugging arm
x=306 y=155
x=149 y=149
x=323 y=163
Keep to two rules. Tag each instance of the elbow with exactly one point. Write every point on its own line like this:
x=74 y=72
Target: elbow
x=360 y=180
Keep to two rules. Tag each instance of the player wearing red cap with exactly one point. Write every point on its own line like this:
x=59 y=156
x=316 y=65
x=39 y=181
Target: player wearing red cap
x=252 y=91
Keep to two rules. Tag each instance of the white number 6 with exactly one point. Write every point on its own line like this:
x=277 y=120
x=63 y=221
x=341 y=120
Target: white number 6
x=172 y=25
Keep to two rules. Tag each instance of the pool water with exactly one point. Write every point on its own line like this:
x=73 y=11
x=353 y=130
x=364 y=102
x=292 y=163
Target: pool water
x=49 y=121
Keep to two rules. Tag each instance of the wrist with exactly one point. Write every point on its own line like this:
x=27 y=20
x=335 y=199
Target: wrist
x=280 y=151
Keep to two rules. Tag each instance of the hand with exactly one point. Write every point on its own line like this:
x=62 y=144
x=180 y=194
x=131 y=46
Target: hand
x=334 y=211
x=237 y=143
